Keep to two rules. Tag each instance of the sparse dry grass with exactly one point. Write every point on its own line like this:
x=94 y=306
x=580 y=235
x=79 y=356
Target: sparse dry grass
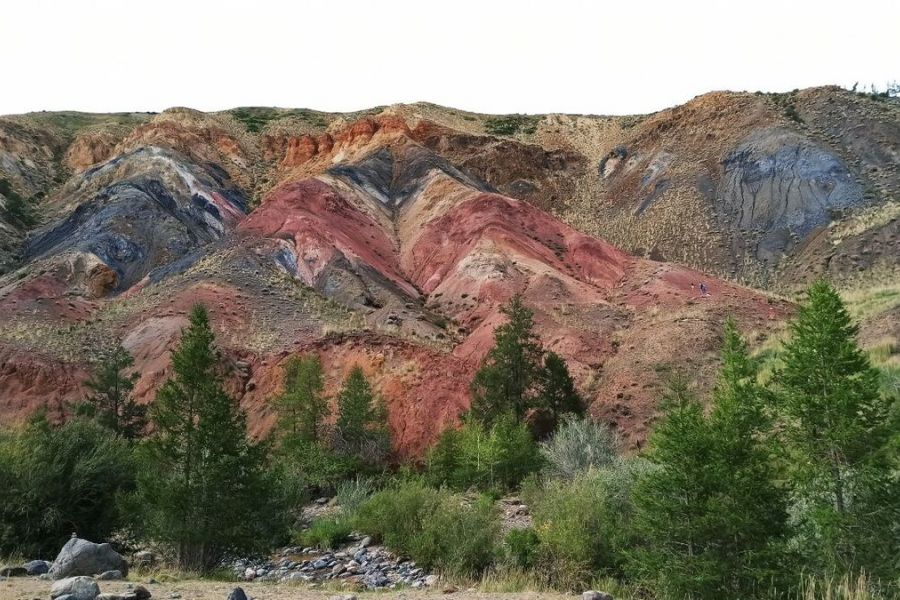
x=204 y=589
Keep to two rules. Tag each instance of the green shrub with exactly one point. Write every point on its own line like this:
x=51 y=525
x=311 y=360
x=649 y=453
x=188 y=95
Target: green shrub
x=352 y=493
x=494 y=459
x=395 y=515
x=511 y=124
x=17 y=208
x=584 y=525
x=54 y=481
x=312 y=468
x=325 y=534
x=435 y=528
x=458 y=538
x=578 y=446
x=520 y=548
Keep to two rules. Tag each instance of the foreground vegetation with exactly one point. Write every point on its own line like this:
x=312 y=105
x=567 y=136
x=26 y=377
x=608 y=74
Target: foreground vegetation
x=786 y=485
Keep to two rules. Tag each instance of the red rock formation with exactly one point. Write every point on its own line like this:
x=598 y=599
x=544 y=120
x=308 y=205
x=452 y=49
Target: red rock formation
x=398 y=261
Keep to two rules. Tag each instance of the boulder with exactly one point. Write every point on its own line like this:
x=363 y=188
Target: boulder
x=114 y=575
x=141 y=593
x=595 y=595
x=37 y=567
x=81 y=557
x=237 y=594
x=13 y=571
x=76 y=588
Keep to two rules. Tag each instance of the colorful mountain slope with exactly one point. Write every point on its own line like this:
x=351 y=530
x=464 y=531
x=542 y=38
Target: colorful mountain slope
x=391 y=238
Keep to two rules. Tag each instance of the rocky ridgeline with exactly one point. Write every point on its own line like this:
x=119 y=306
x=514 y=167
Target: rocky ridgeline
x=359 y=565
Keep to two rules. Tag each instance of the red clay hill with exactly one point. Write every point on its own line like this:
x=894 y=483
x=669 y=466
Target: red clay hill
x=371 y=243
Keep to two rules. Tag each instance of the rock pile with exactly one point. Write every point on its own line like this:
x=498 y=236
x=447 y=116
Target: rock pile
x=358 y=564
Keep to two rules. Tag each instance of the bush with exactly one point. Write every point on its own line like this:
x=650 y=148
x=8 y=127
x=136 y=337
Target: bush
x=54 y=481
x=520 y=548
x=17 y=208
x=435 y=528
x=584 y=525
x=511 y=124
x=494 y=459
x=314 y=468
x=578 y=446
x=325 y=534
x=395 y=515
x=352 y=493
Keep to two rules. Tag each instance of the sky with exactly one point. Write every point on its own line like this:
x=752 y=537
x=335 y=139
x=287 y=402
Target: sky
x=623 y=57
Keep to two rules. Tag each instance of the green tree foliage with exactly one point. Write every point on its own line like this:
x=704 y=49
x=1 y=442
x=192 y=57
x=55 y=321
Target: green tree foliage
x=837 y=427
x=506 y=381
x=558 y=395
x=306 y=463
x=361 y=431
x=202 y=486
x=17 y=208
x=517 y=377
x=494 y=459
x=55 y=481
x=110 y=402
x=711 y=517
x=302 y=406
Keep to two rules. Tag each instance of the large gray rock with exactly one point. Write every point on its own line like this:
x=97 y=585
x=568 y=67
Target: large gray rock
x=37 y=567
x=77 y=588
x=81 y=557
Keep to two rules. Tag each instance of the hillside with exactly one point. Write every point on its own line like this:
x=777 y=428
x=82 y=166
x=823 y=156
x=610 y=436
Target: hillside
x=390 y=237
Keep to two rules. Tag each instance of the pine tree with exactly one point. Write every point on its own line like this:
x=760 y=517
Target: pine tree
x=111 y=403
x=202 y=486
x=361 y=429
x=507 y=381
x=558 y=395
x=712 y=517
x=837 y=430
x=302 y=407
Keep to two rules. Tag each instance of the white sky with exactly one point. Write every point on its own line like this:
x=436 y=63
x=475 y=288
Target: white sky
x=626 y=56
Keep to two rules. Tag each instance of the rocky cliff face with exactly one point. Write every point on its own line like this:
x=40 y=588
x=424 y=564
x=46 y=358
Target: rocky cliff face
x=779 y=186
x=390 y=238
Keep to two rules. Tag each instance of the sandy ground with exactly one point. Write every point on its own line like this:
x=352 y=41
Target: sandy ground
x=29 y=588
